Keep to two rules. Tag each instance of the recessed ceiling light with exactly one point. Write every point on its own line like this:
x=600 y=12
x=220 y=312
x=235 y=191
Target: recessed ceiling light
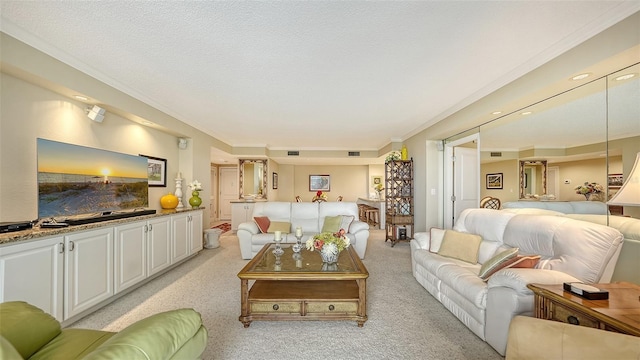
x=625 y=77
x=146 y=122
x=496 y=113
x=527 y=112
x=581 y=76
x=80 y=97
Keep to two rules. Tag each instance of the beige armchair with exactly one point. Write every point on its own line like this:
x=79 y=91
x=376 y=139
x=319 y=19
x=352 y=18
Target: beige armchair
x=531 y=338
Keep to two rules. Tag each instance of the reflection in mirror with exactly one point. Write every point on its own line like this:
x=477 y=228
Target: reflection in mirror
x=568 y=131
x=623 y=130
x=253 y=178
x=533 y=179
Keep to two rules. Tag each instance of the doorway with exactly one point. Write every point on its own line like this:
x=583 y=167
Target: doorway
x=462 y=177
x=228 y=190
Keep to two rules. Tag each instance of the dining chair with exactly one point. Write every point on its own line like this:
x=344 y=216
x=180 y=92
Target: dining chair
x=339 y=198
x=298 y=199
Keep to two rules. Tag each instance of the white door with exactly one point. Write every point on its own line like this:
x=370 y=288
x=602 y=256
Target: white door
x=213 y=201
x=228 y=190
x=553 y=182
x=461 y=178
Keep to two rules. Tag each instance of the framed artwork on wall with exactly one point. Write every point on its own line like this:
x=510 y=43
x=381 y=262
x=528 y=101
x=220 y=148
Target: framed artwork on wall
x=614 y=181
x=274 y=181
x=156 y=171
x=494 y=181
x=319 y=182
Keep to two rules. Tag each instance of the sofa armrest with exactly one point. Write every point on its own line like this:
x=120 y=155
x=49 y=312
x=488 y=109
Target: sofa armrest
x=422 y=240
x=159 y=336
x=517 y=279
x=249 y=226
x=357 y=226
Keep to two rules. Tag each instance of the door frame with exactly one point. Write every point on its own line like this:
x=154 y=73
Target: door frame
x=449 y=176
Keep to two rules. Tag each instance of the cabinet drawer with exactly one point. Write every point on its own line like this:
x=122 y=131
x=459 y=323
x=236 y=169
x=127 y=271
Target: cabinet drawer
x=569 y=316
x=332 y=307
x=275 y=307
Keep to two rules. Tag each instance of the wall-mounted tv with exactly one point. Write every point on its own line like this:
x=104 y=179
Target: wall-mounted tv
x=79 y=180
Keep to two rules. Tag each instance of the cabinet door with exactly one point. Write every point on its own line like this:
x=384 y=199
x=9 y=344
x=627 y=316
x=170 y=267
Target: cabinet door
x=158 y=245
x=180 y=240
x=130 y=255
x=88 y=269
x=33 y=272
x=195 y=231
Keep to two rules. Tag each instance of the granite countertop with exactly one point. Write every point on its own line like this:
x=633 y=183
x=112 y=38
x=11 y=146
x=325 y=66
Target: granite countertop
x=37 y=232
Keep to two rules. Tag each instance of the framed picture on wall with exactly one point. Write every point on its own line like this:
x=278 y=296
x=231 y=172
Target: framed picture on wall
x=375 y=180
x=494 y=181
x=156 y=171
x=614 y=181
x=274 y=181
x=319 y=182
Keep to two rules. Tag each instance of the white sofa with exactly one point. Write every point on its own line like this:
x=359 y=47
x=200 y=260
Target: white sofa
x=570 y=250
x=309 y=216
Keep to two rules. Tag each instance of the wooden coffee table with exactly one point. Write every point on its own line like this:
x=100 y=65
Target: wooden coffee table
x=298 y=289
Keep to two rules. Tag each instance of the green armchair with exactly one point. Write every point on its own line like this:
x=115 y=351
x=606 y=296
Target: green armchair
x=27 y=332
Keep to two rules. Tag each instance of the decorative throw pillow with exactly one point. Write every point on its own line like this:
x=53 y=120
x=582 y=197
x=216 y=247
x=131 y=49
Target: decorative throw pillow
x=263 y=223
x=436 y=239
x=461 y=246
x=525 y=261
x=332 y=223
x=282 y=226
x=346 y=222
x=497 y=262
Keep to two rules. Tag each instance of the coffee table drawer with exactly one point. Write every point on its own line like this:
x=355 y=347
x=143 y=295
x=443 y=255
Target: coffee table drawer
x=275 y=307
x=332 y=307
x=569 y=316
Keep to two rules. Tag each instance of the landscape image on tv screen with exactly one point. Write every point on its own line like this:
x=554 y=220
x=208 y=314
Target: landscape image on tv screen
x=78 y=180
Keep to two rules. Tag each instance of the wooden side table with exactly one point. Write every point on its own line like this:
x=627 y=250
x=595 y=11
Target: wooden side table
x=619 y=313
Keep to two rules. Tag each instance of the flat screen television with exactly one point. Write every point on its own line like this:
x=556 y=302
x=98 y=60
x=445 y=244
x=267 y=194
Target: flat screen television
x=79 y=181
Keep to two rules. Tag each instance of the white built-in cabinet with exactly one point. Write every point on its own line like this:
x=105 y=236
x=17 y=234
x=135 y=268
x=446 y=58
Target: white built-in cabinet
x=241 y=212
x=68 y=274
x=88 y=269
x=33 y=271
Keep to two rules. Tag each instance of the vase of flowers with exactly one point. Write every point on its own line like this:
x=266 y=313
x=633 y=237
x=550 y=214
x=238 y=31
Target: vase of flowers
x=320 y=196
x=589 y=189
x=378 y=189
x=329 y=245
x=195 y=187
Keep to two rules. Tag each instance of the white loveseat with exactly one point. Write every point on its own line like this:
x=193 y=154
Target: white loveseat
x=570 y=250
x=310 y=216
x=565 y=207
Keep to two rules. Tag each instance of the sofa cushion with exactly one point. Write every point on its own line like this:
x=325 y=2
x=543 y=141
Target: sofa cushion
x=578 y=248
x=460 y=246
x=275 y=210
x=7 y=350
x=474 y=221
x=346 y=222
x=263 y=223
x=72 y=344
x=331 y=224
x=17 y=325
x=525 y=261
x=436 y=236
x=305 y=215
x=497 y=262
x=282 y=226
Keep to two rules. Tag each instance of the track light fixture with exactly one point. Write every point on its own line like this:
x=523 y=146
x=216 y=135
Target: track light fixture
x=95 y=113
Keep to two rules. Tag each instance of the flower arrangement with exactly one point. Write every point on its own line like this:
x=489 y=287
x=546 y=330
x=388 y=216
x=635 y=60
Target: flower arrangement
x=394 y=155
x=195 y=186
x=329 y=244
x=589 y=188
x=378 y=187
x=320 y=196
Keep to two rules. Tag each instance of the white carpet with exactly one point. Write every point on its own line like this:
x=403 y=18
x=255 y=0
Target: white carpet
x=405 y=321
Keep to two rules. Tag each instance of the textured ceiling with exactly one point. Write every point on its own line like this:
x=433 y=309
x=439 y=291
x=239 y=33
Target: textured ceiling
x=289 y=75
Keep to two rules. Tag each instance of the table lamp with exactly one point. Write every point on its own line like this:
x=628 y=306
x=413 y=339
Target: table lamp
x=629 y=193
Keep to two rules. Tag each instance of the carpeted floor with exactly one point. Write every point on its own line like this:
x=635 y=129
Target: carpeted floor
x=405 y=321
x=224 y=227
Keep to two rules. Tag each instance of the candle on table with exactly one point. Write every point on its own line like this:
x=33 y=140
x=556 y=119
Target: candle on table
x=278 y=235
x=298 y=231
x=299 y=263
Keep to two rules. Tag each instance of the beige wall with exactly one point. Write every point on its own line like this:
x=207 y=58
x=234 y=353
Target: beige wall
x=510 y=180
x=350 y=181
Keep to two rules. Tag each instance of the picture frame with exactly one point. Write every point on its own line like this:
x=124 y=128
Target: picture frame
x=375 y=180
x=156 y=171
x=494 y=181
x=319 y=182
x=274 y=181
x=615 y=181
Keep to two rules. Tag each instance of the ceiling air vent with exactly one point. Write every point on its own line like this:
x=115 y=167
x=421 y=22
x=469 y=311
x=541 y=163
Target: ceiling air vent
x=496 y=154
x=293 y=153
x=354 y=153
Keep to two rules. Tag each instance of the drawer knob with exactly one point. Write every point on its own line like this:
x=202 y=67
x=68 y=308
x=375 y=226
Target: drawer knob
x=331 y=307
x=573 y=320
x=276 y=307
